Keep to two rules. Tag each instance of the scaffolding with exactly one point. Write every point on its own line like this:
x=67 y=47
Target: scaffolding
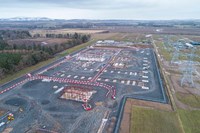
x=77 y=93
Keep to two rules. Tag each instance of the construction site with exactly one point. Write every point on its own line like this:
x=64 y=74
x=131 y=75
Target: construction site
x=82 y=92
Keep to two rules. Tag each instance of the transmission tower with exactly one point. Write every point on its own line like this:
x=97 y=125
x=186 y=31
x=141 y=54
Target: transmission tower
x=188 y=70
x=176 y=54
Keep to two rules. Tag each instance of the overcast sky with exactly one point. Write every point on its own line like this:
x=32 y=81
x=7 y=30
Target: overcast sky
x=102 y=9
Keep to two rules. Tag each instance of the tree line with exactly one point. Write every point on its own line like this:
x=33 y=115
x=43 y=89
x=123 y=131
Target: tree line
x=12 y=62
x=14 y=34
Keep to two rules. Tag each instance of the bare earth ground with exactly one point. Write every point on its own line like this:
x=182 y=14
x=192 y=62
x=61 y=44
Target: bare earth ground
x=175 y=79
x=194 y=38
x=2 y=112
x=152 y=30
x=7 y=130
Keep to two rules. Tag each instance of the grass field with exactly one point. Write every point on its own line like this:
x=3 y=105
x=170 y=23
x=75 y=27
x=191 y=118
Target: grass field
x=131 y=37
x=73 y=49
x=189 y=99
x=145 y=120
x=65 y=31
x=165 y=53
x=190 y=120
x=168 y=55
x=104 y=36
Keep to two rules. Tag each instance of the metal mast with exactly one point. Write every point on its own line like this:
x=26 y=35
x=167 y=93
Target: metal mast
x=188 y=70
x=176 y=54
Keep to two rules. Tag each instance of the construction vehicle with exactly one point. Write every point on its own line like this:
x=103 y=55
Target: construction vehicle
x=87 y=106
x=113 y=97
x=21 y=109
x=10 y=117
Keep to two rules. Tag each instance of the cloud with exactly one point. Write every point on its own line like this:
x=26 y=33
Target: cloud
x=85 y=4
x=102 y=9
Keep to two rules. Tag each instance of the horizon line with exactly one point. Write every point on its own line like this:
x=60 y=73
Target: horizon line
x=104 y=19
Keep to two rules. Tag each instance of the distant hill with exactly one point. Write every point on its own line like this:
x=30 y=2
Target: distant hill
x=27 y=19
x=20 y=19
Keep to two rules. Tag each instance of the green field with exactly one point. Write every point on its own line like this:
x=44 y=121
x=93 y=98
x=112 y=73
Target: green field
x=189 y=99
x=190 y=120
x=165 y=53
x=145 y=120
x=169 y=54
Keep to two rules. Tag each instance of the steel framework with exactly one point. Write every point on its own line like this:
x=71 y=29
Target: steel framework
x=188 y=70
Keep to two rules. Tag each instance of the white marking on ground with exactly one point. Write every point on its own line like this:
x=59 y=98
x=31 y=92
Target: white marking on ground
x=145 y=72
x=128 y=82
x=133 y=83
x=106 y=80
x=46 y=80
x=145 y=88
x=59 y=90
x=135 y=73
x=146 y=77
x=62 y=75
x=146 y=81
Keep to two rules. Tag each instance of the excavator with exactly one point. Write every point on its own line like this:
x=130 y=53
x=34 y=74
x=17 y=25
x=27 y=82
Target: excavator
x=10 y=117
